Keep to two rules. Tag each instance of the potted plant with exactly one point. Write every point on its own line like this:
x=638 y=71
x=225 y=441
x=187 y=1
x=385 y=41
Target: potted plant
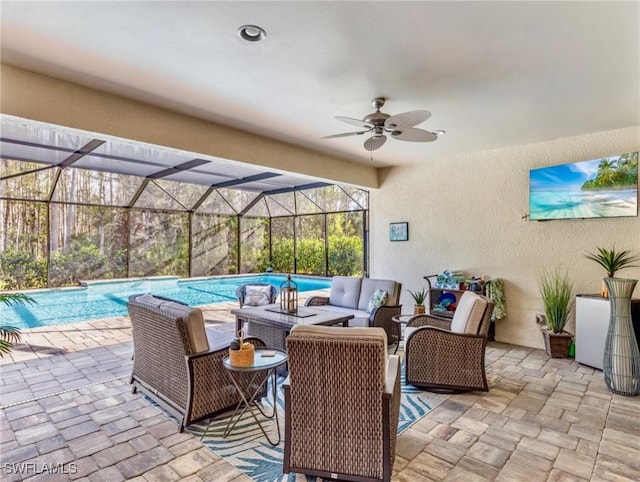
x=10 y=334
x=418 y=298
x=612 y=261
x=556 y=291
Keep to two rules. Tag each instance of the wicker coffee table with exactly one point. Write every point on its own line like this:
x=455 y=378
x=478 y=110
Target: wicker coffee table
x=273 y=327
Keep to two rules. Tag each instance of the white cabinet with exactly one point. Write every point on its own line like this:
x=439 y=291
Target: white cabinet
x=592 y=323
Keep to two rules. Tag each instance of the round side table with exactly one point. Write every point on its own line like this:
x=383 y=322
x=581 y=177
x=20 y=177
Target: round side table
x=265 y=362
x=401 y=320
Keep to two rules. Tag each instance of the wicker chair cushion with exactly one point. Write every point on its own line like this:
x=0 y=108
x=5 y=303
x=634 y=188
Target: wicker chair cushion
x=378 y=298
x=369 y=287
x=345 y=291
x=339 y=331
x=257 y=295
x=468 y=315
x=191 y=317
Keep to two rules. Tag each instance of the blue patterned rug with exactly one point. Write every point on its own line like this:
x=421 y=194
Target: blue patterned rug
x=247 y=450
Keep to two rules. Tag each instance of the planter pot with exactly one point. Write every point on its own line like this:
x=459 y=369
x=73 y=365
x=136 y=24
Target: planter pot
x=557 y=344
x=621 y=361
x=418 y=309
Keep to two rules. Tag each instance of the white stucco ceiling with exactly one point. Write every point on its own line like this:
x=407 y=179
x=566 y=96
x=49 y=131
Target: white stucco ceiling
x=493 y=74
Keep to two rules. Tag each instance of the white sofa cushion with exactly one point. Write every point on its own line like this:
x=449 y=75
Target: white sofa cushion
x=345 y=291
x=369 y=287
x=360 y=318
x=191 y=317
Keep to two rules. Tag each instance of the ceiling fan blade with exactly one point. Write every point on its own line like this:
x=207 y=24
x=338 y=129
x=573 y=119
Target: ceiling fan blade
x=345 y=134
x=407 y=119
x=414 y=135
x=355 y=122
x=375 y=142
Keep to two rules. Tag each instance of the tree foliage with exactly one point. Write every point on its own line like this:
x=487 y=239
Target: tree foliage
x=621 y=173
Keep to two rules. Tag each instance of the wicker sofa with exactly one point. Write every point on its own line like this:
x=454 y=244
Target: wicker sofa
x=177 y=362
x=351 y=295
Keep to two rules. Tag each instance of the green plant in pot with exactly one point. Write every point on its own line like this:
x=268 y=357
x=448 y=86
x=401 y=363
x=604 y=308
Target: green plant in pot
x=612 y=261
x=418 y=297
x=10 y=334
x=556 y=291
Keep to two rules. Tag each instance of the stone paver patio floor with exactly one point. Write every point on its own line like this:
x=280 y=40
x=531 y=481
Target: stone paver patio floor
x=66 y=400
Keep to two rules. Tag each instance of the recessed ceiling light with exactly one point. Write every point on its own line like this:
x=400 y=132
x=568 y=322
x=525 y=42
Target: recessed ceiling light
x=439 y=132
x=252 y=33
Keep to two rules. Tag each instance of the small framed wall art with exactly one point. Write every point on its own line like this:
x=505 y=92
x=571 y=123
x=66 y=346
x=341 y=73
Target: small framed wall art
x=398 y=231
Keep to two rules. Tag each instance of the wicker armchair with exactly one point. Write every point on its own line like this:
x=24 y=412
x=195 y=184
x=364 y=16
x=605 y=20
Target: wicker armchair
x=241 y=292
x=448 y=354
x=176 y=362
x=341 y=420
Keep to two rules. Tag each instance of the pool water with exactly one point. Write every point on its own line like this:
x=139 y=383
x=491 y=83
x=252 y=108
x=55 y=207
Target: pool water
x=108 y=299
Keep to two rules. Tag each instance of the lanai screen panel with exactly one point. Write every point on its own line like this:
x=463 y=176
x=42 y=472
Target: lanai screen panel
x=215 y=203
x=26 y=180
x=282 y=252
x=159 y=243
x=87 y=243
x=310 y=246
x=215 y=245
x=254 y=247
x=238 y=199
x=345 y=243
x=23 y=245
x=82 y=186
x=305 y=205
x=333 y=199
x=281 y=204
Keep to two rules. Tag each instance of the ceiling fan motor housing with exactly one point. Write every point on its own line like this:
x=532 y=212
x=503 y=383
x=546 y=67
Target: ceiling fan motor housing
x=376 y=119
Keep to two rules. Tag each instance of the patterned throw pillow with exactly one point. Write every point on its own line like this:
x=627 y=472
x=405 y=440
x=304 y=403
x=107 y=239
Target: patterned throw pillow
x=257 y=295
x=378 y=298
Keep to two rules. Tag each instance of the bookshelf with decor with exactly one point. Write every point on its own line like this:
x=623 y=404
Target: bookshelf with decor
x=446 y=289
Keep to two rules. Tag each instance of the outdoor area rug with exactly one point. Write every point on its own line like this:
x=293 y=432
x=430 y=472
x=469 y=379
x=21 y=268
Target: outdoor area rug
x=247 y=450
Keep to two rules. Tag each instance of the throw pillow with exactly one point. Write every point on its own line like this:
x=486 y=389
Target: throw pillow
x=378 y=298
x=257 y=295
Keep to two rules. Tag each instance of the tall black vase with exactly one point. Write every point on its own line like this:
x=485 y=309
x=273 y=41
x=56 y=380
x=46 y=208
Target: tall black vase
x=621 y=362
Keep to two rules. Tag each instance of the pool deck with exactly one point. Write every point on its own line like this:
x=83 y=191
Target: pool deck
x=66 y=400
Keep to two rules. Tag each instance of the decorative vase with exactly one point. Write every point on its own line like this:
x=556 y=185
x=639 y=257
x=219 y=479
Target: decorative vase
x=621 y=362
x=418 y=309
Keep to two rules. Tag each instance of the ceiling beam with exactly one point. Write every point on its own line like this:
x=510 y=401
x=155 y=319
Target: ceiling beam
x=34 y=96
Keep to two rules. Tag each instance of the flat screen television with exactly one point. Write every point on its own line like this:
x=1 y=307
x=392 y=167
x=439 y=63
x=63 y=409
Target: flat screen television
x=599 y=188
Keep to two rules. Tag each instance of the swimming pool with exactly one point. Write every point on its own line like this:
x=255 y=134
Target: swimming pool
x=107 y=299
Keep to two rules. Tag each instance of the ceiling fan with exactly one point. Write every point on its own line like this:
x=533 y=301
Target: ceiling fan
x=399 y=126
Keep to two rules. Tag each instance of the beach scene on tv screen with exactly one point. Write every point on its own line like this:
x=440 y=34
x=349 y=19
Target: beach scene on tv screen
x=598 y=188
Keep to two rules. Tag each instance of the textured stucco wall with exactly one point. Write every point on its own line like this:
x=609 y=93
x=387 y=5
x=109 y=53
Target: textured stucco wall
x=466 y=213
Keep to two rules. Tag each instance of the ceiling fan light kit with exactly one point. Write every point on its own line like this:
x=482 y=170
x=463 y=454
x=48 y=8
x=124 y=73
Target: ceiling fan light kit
x=399 y=126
